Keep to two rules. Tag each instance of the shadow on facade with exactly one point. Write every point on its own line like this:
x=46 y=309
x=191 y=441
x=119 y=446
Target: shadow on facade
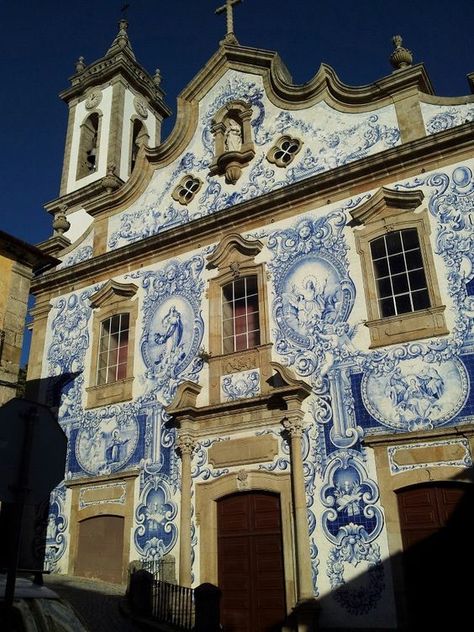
x=431 y=578
x=34 y=524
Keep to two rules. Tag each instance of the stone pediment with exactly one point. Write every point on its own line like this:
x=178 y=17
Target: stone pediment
x=385 y=203
x=113 y=292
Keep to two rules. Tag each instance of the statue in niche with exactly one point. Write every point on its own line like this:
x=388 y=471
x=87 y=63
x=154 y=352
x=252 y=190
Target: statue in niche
x=232 y=135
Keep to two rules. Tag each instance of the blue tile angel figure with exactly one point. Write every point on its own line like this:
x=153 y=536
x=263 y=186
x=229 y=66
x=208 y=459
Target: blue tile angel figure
x=415 y=396
x=155 y=516
x=170 y=340
x=51 y=528
x=348 y=497
x=114 y=451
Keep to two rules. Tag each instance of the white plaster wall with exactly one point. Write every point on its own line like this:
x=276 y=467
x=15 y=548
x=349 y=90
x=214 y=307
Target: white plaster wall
x=80 y=221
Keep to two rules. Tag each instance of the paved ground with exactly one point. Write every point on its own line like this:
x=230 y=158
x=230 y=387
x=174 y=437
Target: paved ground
x=96 y=601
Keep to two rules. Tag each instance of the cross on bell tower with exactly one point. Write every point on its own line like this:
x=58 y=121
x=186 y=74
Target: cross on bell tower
x=228 y=8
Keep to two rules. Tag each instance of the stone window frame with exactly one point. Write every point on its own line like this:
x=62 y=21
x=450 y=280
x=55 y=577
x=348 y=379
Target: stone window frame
x=177 y=193
x=234 y=258
x=277 y=147
x=114 y=298
x=231 y=163
x=392 y=211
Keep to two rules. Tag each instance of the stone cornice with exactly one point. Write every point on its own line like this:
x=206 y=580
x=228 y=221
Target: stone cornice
x=113 y=64
x=420 y=436
x=281 y=403
x=325 y=82
x=384 y=202
x=116 y=477
x=347 y=180
x=93 y=191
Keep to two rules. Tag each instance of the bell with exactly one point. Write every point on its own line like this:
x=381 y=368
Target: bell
x=91 y=158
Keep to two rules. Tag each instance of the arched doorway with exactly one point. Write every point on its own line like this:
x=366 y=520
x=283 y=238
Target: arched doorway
x=100 y=548
x=250 y=562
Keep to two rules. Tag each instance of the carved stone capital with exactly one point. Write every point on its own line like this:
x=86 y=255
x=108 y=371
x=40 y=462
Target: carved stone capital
x=293 y=426
x=185 y=443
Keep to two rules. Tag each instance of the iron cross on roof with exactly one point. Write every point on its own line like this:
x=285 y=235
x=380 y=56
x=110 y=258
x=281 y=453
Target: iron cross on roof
x=228 y=7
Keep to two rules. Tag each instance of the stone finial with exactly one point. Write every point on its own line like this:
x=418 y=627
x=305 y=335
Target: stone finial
x=80 y=64
x=157 y=78
x=121 y=41
x=60 y=222
x=111 y=181
x=401 y=57
x=122 y=37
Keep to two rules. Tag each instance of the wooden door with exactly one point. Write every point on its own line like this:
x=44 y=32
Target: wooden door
x=100 y=548
x=250 y=562
x=425 y=509
x=436 y=524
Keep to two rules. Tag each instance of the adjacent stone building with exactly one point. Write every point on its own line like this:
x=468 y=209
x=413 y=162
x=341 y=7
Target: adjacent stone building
x=18 y=261
x=260 y=333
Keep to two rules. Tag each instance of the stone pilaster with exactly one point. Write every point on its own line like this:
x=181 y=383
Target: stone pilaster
x=294 y=427
x=185 y=444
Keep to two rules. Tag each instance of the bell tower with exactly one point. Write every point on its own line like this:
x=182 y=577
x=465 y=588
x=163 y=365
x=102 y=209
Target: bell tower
x=114 y=107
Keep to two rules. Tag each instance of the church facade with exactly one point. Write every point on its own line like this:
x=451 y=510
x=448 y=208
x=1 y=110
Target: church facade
x=260 y=335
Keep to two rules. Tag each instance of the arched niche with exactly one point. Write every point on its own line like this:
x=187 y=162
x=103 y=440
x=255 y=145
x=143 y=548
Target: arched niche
x=233 y=143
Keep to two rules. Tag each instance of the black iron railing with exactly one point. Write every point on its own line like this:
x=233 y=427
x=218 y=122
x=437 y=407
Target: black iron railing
x=173 y=604
x=155 y=567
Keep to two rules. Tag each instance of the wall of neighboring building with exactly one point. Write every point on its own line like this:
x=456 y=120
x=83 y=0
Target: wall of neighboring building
x=14 y=290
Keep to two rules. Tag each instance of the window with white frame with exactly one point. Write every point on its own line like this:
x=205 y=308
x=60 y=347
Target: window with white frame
x=399 y=273
x=113 y=349
x=240 y=315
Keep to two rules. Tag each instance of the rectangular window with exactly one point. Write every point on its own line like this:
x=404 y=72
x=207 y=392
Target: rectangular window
x=113 y=349
x=240 y=318
x=399 y=273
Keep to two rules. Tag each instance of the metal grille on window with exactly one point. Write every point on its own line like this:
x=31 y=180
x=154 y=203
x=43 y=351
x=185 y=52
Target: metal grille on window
x=113 y=349
x=399 y=273
x=241 y=329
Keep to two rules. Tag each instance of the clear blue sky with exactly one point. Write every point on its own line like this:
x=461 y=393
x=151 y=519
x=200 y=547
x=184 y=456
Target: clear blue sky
x=41 y=39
